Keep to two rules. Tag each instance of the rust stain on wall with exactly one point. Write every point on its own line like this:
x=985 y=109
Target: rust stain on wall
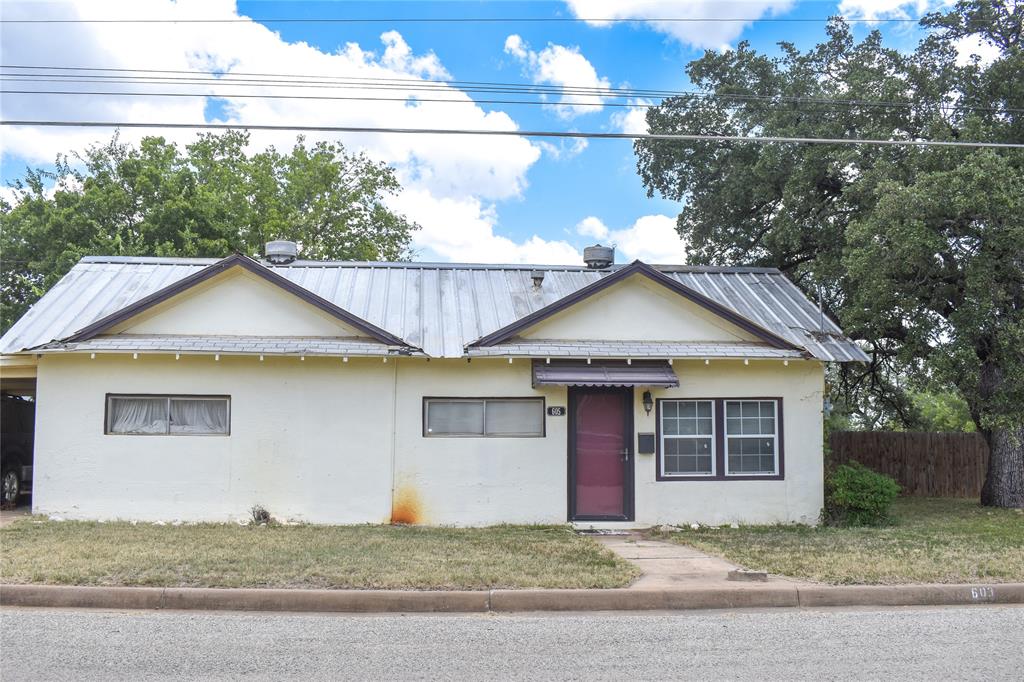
x=406 y=507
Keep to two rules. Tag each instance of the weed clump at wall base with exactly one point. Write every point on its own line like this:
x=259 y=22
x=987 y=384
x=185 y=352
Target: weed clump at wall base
x=858 y=496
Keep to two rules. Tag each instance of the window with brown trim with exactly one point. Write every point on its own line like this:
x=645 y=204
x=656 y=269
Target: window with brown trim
x=483 y=417
x=751 y=437
x=688 y=437
x=167 y=415
x=715 y=439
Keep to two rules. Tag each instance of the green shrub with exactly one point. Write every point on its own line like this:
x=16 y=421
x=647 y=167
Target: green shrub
x=858 y=496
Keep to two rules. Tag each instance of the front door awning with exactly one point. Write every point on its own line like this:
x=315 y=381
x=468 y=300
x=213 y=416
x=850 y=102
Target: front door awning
x=656 y=373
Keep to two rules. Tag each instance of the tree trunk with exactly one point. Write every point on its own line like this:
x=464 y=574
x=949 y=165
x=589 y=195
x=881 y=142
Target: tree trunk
x=1004 y=481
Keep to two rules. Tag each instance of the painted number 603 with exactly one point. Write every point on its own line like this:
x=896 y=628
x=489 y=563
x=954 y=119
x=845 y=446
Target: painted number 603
x=982 y=593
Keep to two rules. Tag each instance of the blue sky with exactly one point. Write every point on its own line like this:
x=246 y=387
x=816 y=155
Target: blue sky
x=485 y=199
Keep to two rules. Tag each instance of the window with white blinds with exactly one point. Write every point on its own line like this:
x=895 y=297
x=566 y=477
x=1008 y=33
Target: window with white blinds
x=483 y=417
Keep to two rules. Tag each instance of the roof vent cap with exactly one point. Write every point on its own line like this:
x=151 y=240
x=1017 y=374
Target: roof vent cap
x=538 y=278
x=597 y=257
x=281 y=251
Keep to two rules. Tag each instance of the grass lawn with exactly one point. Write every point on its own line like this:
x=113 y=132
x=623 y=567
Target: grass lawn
x=364 y=557
x=931 y=540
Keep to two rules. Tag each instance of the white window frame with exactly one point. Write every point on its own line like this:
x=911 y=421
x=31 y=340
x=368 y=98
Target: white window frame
x=713 y=437
x=774 y=436
x=168 y=397
x=435 y=399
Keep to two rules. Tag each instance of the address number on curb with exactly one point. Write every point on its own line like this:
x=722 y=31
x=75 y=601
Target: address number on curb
x=983 y=593
x=556 y=411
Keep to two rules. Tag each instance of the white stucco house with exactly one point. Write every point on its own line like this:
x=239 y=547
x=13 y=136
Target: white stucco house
x=465 y=394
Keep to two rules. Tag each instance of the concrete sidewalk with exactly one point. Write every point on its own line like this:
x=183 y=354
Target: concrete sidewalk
x=669 y=566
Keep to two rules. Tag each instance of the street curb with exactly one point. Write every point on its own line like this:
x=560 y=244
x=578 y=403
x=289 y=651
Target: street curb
x=408 y=601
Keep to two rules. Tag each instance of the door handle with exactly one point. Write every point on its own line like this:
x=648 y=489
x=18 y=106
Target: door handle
x=625 y=454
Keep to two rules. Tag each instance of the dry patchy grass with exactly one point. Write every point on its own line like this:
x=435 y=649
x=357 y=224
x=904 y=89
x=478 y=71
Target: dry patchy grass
x=362 y=557
x=931 y=540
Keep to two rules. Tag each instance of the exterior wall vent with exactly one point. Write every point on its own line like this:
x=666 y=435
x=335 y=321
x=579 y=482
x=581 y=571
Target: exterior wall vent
x=598 y=257
x=281 y=252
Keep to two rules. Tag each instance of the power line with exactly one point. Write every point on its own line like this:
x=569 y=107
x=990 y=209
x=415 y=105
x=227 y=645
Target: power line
x=677 y=137
x=402 y=84
x=412 y=99
x=469 y=20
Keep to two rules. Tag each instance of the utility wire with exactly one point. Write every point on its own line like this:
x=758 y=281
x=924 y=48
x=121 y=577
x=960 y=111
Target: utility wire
x=410 y=100
x=486 y=87
x=295 y=80
x=468 y=20
x=415 y=98
x=677 y=137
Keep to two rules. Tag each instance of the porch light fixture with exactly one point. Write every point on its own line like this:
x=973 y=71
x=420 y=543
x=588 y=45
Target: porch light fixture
x=648 y=402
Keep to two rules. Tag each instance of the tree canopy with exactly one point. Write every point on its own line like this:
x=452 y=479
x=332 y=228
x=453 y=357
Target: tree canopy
x=916 y=251
x=211 y=199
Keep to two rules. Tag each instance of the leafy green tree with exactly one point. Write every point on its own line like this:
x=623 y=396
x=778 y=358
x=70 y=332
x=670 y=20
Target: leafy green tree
x=917 y=251
x=941 y=411
x=211 y=200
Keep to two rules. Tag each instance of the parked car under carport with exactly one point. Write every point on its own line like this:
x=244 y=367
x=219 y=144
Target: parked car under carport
x=17 y=428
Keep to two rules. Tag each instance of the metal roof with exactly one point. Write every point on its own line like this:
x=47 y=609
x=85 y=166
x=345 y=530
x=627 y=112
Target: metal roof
x=438 y=307
x=559 y=348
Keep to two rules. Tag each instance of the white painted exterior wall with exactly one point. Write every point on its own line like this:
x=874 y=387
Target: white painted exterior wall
x=330 y=442
x=310 y=440
x=796 y=499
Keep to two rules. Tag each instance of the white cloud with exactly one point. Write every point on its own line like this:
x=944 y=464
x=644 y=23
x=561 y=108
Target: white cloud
x=705 y=34
x=970 y=46
x=885 y=9
x=651 y=238
x=450 y=182
x=564 y=149
x=463 y=230
x=562 y=66
x=591 y=226
x=632 y=119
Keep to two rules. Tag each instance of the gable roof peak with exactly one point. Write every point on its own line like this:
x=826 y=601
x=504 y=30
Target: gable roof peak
x=253 y=266
x=652 y=273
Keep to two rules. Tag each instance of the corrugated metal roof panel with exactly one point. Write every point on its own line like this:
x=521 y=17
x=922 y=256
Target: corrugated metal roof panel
x=560 y=348
x=439 y=307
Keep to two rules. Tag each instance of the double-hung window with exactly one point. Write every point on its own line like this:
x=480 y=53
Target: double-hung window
x=483 y=417
x=751 y=437
x=163 y=415
x=688 y=437
x=719 y=439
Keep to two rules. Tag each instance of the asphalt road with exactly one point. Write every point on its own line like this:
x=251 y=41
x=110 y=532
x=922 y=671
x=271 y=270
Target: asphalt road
x=979 y=642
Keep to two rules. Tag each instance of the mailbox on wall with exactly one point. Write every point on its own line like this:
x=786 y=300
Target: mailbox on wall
x=645 y=443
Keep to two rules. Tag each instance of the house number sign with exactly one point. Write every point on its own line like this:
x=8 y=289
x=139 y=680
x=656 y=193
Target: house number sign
x=556 y=411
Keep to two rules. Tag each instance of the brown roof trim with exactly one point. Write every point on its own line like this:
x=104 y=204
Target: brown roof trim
x=635 y=268
x=237 y=259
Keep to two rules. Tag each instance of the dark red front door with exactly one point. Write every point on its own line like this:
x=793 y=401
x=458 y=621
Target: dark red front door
x=600 y=454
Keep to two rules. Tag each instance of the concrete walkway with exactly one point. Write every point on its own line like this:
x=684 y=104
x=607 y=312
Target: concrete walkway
x=667 y=565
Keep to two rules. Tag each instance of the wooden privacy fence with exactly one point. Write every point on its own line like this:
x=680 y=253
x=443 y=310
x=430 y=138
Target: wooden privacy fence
x=924 y=464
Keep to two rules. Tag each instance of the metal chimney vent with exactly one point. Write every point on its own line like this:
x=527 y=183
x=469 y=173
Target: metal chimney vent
x=597 y=257
x=281 y=252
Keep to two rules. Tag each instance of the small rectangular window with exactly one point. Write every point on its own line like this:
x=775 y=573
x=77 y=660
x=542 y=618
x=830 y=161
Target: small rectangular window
x=484 y=417
x=150 y=415
x=751 y=437
x=688 y=437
